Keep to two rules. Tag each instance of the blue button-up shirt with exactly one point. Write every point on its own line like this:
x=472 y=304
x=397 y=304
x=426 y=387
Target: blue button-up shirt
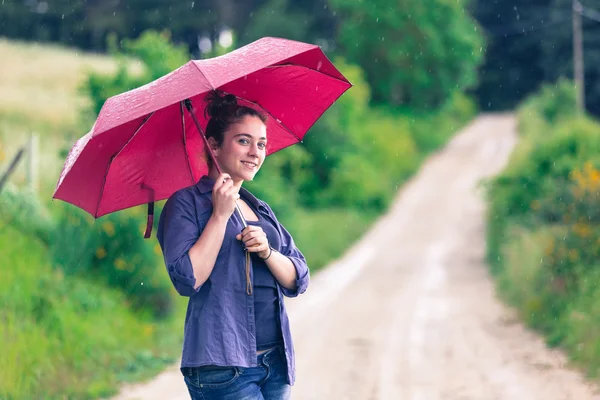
x=219 y=323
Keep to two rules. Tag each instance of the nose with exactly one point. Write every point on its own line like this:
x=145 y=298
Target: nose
x=254 y=150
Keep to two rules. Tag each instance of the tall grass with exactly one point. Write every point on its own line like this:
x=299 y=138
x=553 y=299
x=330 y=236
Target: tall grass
x=544 y=225
x=65 y=337
x=39 y=94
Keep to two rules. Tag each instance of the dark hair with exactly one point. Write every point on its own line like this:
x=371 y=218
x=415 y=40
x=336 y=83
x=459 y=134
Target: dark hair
x=224 y=111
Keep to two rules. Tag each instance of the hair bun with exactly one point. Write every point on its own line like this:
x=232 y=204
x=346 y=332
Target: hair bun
x=218 y=106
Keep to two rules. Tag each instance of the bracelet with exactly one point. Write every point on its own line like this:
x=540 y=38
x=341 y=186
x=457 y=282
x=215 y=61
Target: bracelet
x=270 y=252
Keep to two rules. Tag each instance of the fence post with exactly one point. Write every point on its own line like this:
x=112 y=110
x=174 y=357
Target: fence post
x=11 y=168
x=32 y=162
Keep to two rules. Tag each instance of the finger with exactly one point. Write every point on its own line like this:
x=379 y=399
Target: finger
x=221 y=179
x=224 y=177
x=261 y=240
x=226 y=187
x=248 y=229
x=252 y=228
x=256 y=248
x=233 y=191
x=254 y=234
x=252 y=242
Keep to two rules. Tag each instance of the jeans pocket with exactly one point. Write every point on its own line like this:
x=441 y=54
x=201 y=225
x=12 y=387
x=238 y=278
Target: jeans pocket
x=216 y=377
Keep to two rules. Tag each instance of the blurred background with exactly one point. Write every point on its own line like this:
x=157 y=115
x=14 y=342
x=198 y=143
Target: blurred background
x=86 y=305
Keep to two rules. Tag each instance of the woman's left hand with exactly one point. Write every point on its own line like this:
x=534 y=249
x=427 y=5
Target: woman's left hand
x=255 y=240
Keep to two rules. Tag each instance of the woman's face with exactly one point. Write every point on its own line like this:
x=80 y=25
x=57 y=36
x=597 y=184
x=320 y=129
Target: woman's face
x=243 y=149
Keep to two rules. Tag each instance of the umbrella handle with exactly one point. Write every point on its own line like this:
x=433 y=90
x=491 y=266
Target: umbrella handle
x=190 y=108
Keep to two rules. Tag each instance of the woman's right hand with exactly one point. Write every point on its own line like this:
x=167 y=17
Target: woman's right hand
x=224 y=197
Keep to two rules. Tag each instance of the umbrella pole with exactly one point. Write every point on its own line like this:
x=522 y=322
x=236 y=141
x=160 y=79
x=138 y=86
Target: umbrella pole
x=190 y=108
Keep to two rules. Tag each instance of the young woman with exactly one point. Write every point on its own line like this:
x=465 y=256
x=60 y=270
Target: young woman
x=237 y=340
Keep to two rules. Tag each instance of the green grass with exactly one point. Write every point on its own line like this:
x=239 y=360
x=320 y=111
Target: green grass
x=39 y=94
x=324 y=235
x=64 y=337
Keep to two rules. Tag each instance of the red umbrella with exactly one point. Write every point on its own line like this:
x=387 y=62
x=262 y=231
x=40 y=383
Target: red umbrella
x=147 y=143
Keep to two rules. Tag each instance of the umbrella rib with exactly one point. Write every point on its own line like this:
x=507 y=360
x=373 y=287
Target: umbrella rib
x=187 y=156
x=205 y=77
x=267 y=111
x=115 y=156
x=311 y=69
x=283 y=66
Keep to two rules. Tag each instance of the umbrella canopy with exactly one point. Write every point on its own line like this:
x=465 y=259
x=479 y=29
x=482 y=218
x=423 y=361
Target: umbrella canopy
x=145 y=145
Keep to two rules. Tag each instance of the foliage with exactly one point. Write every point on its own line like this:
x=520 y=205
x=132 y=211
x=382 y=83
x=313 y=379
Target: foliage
x=154 y=51
x=113 y=251
x=544 y=224
x=314 y=236
x=356 y=155
x=418 y=56
x=63 y=336
x=531 y=44
x=22 y=209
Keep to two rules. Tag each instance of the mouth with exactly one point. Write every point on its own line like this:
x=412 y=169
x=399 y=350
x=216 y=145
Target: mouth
x=250 y=165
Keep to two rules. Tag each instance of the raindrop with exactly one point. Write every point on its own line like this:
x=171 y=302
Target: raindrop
x=63 y=16
x=114 y=13
x=142 y=283
x=377 y=20
x=193 y=2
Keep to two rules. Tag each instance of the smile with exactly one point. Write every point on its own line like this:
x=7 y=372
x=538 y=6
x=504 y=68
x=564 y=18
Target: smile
x=249 y=164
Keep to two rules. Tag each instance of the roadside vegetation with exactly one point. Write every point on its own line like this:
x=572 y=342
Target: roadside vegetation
x=544 y=224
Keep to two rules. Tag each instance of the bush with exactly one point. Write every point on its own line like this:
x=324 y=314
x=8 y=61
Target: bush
x=157 y=57
x=22 y=209
x=544 y=224
x=65 y=337
x=112 y=250
x=554 y=101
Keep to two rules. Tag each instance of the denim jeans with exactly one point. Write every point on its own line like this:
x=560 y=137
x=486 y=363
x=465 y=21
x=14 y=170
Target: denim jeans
x=267 y=381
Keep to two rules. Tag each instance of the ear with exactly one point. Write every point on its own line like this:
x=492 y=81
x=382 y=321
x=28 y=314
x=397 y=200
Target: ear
x=212 y=143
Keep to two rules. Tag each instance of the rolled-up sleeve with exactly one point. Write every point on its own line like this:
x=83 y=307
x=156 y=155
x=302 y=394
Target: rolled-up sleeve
x=289 y=249
x=178 y=231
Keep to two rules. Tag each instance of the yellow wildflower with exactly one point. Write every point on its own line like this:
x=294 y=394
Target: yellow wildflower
x=109 y=228
x=120 y=264
x=100 y=253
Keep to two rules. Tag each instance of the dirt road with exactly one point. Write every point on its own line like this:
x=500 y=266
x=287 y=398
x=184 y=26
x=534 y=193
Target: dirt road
x=410 y=311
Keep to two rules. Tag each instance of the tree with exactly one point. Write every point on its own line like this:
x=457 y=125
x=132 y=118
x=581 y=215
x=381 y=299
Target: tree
x=531 y=44
x=414 y=52
x=309 y=21
x=515 y=31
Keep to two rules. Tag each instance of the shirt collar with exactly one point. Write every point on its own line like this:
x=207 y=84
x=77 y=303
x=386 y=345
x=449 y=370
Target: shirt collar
x=206 y=183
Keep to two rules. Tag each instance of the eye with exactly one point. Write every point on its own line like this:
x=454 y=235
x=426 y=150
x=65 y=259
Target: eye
x=262 y=145
x=244 y=141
